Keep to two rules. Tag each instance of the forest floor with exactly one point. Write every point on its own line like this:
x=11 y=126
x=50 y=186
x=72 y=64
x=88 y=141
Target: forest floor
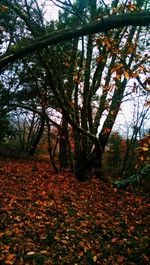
x=48 y=218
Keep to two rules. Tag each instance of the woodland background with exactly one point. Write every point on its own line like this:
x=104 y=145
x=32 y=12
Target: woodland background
x=74 y=173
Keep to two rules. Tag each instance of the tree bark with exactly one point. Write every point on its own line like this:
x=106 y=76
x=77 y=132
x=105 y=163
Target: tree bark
x=89 y=165
x=63 y=145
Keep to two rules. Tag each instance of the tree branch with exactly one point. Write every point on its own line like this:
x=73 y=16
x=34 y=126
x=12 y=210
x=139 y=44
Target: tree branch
x=114 y=21
x=14 y=106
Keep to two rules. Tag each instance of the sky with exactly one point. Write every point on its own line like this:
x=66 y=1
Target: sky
x=51 y=11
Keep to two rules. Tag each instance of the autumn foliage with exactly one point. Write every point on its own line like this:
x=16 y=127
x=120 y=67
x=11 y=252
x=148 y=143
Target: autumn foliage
x=49 y=218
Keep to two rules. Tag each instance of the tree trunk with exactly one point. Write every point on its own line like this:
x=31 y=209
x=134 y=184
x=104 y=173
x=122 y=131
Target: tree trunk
x=38 y=137
x=51 y=155
x=89 y=165
x=63 y=145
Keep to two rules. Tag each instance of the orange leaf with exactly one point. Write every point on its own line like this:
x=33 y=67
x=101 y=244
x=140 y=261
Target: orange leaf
x=10 y=259
x=131 y=228
x=81 y=254
x=141 y=158
x=144 y=148
x=126 y=74
x=1 y=235
x=120 y=259
x=114 y=239
x=6 y=248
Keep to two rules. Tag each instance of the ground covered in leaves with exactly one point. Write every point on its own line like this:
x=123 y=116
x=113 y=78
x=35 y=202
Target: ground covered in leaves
x=47 y=218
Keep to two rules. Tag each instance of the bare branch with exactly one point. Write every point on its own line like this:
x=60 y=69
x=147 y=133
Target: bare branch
x=63 y=6
x=106 y=7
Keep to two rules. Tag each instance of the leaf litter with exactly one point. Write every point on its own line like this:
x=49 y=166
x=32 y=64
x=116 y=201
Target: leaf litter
x=49 y=218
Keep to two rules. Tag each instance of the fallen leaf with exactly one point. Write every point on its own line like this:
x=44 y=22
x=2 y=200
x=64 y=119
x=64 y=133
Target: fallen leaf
x=120 y=259
x=114 y=239
x=30 y=253
x=10 y=259
x=95 y=258
x=145 y=258
x=65 y=242
x=1 y=235
x=44 y=252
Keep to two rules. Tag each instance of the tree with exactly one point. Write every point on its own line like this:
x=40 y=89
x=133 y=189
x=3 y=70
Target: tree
x=140 y=114
x=91 y=75
x=5 y=126
x=114 y=155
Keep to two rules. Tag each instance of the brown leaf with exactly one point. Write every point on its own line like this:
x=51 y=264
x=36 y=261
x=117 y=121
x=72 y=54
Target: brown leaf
x=114 y=239
x=65 y=242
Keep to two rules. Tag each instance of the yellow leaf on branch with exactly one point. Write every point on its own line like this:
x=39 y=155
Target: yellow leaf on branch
x=126 y=74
